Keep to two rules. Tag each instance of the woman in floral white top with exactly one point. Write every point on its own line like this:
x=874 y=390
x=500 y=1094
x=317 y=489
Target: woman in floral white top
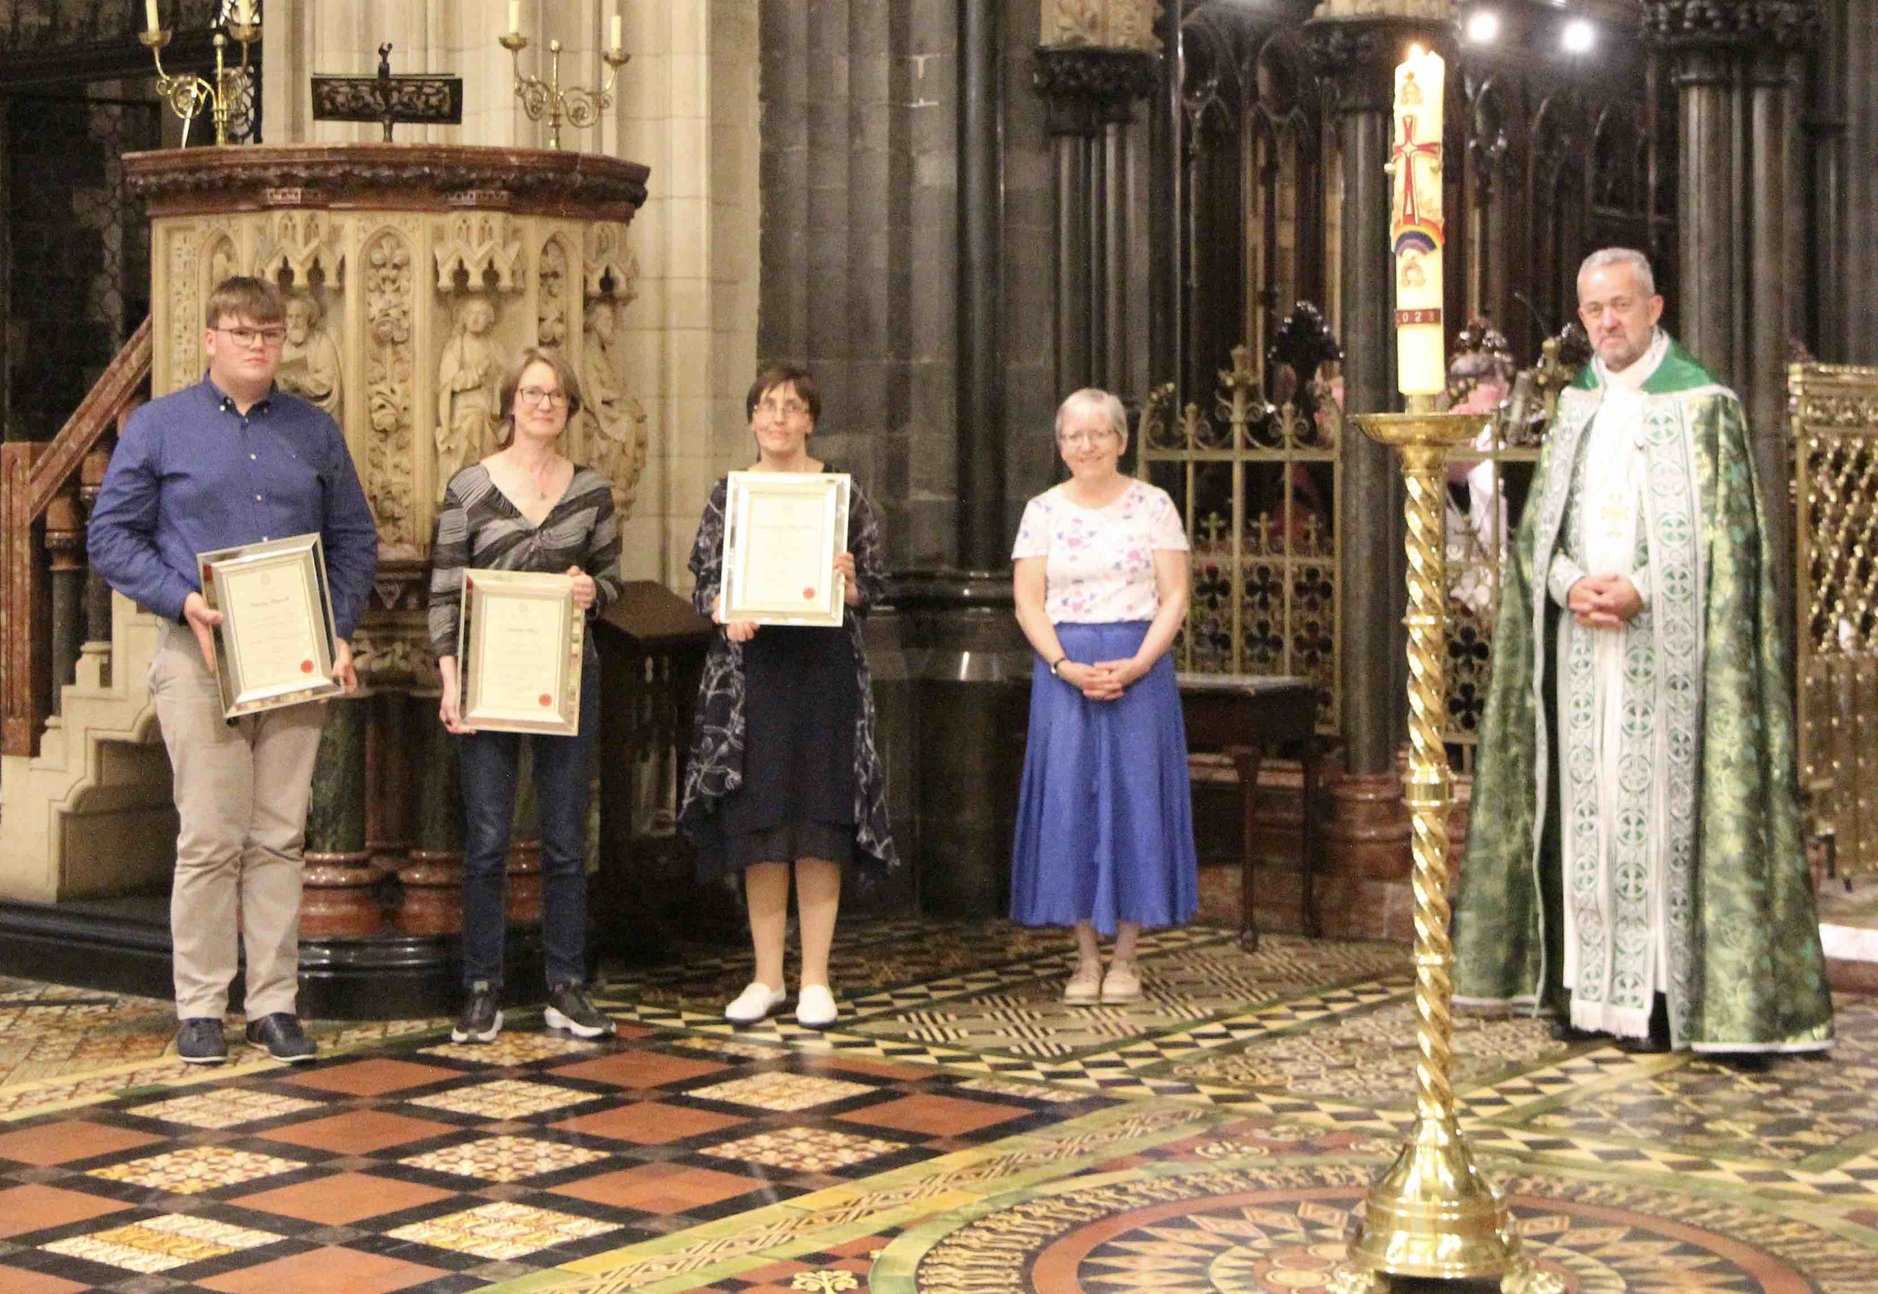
x=1105 y=817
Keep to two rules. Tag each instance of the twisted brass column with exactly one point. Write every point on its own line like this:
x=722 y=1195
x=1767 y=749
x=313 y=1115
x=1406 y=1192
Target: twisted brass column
x=1433 y=1213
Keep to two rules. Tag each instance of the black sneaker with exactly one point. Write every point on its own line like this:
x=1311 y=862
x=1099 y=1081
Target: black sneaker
x=569 y=1009
x=199 y=1041
x=281 y=1037
x=481 y=1019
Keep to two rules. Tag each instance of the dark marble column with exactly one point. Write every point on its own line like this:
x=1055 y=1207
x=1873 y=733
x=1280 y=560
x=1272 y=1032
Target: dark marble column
x=341 y=887
x=1167 y=353
x=1740 y=183
x=979 y=393
x=1367 y=832
x=1828 y=138
x=1859 y=230
x=1089 y=95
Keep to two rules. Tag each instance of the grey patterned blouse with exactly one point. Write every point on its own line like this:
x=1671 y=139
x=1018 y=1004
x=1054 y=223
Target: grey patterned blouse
x=478 y=527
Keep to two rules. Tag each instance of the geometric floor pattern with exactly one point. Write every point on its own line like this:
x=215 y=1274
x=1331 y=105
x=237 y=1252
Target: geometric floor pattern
x=959 y=1130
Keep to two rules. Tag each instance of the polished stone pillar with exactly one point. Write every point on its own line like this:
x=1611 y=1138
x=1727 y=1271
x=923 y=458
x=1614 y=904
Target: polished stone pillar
x=979 y=324
x=1367 y=831
x=1090 y=93
x=340 y=896
x=1740 y=185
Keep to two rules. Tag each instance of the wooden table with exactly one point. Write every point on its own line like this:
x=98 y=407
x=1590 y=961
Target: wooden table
x=1243 y=715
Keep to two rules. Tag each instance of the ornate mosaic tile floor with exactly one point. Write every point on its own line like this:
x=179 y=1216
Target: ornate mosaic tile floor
x=960 y=1130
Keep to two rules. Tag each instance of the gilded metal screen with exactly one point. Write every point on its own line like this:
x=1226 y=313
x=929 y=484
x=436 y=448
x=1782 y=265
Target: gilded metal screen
x=1258 y=484
x=1835 y=439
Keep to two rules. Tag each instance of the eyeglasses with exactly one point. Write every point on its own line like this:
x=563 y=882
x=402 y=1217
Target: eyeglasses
x=269 y=337
x=1084 y=439
x=787 y=408
x=537 y=396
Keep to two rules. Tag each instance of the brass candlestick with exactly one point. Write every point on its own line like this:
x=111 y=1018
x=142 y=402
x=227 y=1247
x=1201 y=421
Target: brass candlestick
x=1433 y=1213
x=577 y=105
x=186 y=94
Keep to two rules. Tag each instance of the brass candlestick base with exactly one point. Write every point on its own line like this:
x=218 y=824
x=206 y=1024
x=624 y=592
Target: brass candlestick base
x=1434 y=1213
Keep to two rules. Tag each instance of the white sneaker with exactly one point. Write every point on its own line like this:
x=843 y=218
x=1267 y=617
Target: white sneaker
x=815 y=1006
x=754 y=1003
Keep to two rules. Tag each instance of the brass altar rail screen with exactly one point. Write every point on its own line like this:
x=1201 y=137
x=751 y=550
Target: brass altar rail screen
x=1258 y=484
x=1835 y=444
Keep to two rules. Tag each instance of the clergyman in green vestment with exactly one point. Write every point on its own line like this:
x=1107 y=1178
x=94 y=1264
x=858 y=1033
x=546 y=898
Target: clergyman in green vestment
x=1635 y=849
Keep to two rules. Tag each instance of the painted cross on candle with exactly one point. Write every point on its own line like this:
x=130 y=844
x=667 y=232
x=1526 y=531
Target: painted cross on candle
x=1416 y=229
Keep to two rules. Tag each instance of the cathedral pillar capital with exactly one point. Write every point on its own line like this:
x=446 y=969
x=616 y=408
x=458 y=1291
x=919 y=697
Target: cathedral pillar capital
x=1731 y=24
x=1086 y=86
x=1358 y=54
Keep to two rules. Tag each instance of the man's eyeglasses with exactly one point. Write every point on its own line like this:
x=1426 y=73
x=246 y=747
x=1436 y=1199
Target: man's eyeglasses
x=787 y=408
x=1084 y=439
x=269 y=337
x=536 y=396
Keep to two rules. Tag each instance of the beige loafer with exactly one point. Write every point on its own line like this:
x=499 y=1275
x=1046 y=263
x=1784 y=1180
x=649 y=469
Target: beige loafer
x=1084 y=987
x=1121 y=984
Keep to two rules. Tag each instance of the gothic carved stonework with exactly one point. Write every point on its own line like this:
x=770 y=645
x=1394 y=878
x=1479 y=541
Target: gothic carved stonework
x=612 y=266
x=310 y=366
x=423 y=175
x=1436 y=11
x=296 y=247
x=1782 y=24
x=389 y=283
x=1114 y=24
x=1358 y=54
x=408 y=364
x=551 y=295
x=467 y=378
x=478 y=244
x=185 y=312
x=1084 y=86
x=613 y=420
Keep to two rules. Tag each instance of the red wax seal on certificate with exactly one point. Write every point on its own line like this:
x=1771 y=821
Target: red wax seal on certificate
x=808 y=595
x=545 y=699
x=306 y=667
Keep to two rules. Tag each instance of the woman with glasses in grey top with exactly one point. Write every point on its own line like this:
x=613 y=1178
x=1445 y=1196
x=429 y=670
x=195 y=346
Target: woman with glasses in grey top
x=526 y=507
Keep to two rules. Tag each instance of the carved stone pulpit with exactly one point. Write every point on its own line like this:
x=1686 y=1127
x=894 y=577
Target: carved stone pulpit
x=415 y=274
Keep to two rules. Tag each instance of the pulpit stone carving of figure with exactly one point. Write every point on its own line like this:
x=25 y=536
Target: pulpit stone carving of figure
x=616 y=444
x=309 y=365
x=466 y=389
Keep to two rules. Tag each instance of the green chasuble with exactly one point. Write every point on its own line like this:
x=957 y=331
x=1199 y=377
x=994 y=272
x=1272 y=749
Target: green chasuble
x=1697 y=886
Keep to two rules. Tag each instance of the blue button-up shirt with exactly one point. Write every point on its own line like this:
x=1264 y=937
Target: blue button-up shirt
x=192 y=473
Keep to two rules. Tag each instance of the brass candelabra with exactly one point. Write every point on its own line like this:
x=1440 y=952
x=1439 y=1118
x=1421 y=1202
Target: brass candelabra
x=1433 y=1214
x=548 y=100
x=188 y=94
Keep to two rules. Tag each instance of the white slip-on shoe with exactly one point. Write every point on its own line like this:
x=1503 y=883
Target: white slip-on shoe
x=754 y=1003
x=815 y=1007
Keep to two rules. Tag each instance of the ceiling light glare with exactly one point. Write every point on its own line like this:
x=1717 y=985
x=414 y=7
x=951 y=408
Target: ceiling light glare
x=1483 y=27
x=1578 y=37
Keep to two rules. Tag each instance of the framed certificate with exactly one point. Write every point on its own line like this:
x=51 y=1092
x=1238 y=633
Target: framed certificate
x=781 y=533
x=518 y=652
x=275 y=643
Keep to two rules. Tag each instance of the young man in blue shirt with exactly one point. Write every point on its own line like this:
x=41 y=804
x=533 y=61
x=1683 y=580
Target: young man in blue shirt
x=233 y=460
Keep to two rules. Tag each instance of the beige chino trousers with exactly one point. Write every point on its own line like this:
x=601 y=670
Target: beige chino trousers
x=241 y=792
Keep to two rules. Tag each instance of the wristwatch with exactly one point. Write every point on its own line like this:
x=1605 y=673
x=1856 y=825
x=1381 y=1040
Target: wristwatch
x=1057 y=664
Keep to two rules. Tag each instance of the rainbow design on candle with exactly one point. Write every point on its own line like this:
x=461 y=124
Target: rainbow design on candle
x=1417 y=231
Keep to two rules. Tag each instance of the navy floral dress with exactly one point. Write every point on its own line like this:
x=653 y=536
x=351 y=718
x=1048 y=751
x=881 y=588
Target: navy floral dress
x=714 y=773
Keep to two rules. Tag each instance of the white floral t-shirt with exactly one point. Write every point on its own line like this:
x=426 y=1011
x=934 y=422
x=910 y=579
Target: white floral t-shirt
x=1099 y=566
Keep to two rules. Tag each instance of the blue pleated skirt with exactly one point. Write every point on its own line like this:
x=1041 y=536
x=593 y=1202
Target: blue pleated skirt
x=1105 y=816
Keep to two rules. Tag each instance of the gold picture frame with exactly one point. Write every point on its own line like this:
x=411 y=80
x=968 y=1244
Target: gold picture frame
x=782 y=531
x=275 y=645
x=520 y=641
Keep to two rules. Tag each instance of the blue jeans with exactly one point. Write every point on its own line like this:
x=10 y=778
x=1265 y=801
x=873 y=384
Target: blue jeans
x=562 y=770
